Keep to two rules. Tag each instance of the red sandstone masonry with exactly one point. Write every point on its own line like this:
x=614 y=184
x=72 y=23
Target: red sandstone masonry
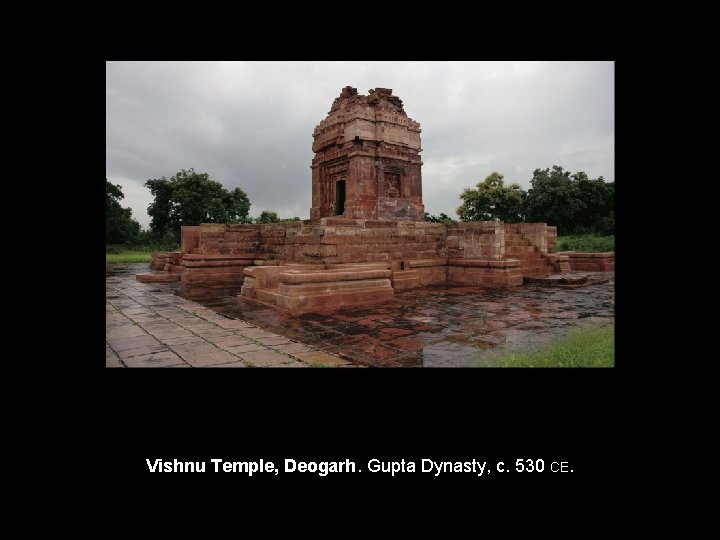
x=367 y=161
x=418 y=254
x=300 y=290
x=591 y=262
x=477 y=239
x=485 y=273
x=369 y=146
x=551 y=239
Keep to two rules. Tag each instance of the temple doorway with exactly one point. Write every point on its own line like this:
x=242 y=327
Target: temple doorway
x=340 y=197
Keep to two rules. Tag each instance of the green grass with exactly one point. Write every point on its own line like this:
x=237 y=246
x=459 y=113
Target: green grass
x=586 y=242
x=592 y=346
x=128 y=256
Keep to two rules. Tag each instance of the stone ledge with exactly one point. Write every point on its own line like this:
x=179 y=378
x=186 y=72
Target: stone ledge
x=423 y=263
x=157 y=278
x=484 y=263
x=589 y=255
x=319 y=276
x=216 y=263
x=213 y=257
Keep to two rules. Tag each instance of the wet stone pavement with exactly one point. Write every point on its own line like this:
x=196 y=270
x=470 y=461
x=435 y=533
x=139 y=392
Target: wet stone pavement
x=430 y=327
x=147 y=325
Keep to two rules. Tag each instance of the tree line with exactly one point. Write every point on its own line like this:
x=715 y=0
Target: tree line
x=573 y=202
x=188 y=198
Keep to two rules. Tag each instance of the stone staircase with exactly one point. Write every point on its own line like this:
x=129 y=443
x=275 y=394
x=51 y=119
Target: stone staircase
x=532 y=261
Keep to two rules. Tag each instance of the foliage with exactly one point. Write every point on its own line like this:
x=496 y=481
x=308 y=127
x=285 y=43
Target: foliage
x=119 y=223
x=592 y=346
x=267 y=216
x=572 y=202
x=291 y=219
x=492 y=200
x=442 y=218
x=586 y=242
x=192 y=198
x=128 y=256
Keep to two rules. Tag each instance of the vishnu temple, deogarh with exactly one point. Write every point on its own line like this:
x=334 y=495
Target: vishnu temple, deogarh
x=367 y=237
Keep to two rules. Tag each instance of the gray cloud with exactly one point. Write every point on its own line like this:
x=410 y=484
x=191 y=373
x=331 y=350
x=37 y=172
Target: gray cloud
x=249 y=124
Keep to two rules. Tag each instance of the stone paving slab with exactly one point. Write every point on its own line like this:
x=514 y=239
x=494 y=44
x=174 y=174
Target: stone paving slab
x=148 y=326
x=432 y=326
x=428 y=327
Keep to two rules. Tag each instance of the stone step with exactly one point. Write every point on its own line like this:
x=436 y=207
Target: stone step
x=157 y=278
x=519 y=249
x=525 y=255
x=535 y=272
x=531 y=263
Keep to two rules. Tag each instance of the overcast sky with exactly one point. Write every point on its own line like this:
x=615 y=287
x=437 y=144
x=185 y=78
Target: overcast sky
x=250 y=124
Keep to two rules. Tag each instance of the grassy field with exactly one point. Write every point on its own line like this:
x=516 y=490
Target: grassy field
x=586 y=242
x=135 y=256
x=592 y=346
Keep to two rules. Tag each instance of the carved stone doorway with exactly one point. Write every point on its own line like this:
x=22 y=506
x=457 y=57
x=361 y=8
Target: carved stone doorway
x=340 y=197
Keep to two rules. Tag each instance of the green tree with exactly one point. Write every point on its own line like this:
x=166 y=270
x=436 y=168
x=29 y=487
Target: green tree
x=120 y=227
x=442 y=218
x=573 y=202
x=492 y=200
x=191 y=198
x=597 y=202
x=267 y=216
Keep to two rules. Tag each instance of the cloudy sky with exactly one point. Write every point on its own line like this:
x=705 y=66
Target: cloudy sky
x=250 y=124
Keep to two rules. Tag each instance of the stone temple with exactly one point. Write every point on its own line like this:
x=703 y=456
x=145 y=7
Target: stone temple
x=367 y=237
x=367 y=159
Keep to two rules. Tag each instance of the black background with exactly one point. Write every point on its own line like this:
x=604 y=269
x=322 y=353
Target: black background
x=586 y=417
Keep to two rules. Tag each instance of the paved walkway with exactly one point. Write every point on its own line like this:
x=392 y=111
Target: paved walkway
x=442 y=326
x=148 y=326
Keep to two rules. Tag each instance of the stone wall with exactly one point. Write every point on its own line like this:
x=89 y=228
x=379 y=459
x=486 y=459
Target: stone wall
x=189 y=239
x=225 y=239
x=535 y=233
x=484 y=273
x=340 y=240
x=417 y=253
x=475 y=240
x=551 y=239
x=591 y=262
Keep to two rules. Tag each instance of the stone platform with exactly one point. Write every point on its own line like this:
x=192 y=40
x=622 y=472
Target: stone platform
x=292 y=265
x=302 y=288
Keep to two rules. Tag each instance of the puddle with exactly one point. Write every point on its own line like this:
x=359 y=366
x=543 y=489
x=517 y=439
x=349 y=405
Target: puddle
x=437 y=326
x=429 y=327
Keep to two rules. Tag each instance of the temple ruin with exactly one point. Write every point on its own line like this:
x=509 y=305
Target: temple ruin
x=367 y=159
x=367 y=237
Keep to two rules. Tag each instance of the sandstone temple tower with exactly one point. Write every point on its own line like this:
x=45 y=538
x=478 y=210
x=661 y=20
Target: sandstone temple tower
x=367 y=162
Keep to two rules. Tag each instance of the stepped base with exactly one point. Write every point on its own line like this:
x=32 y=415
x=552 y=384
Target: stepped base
x=157 y=278
x=307 y=288
x=569 y=280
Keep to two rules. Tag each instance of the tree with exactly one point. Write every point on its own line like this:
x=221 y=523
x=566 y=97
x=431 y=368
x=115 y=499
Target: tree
x=573 y=202
x=266 y=216
x=442 y=218
x=492 y=200
x=596 y=214
x=551 y=198
x=191 y=198
x=120 y=227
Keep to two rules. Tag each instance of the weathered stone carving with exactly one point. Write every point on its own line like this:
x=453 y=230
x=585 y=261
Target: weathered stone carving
x=367 y=159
